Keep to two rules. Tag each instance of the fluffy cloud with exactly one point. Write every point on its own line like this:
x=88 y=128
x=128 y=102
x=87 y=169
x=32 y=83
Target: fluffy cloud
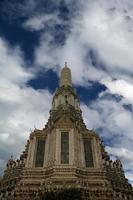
x=105 y=27
x=21 y=107
x=114 y=124
x=100 y=27
x=122 y=153
x=120 y=87
x=11 y=64
x=111 y=116
x=40 y=22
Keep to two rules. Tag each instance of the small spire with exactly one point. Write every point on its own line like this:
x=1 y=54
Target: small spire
x=65 y=64
x=66 y=76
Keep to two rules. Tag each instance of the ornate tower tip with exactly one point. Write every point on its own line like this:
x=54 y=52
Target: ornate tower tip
x=66 y=76
x=65 y=64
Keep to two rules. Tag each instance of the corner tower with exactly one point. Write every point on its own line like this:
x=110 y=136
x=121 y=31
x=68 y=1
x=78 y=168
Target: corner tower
x=63 y=155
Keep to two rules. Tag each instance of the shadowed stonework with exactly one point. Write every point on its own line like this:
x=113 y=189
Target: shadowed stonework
x=65 y=160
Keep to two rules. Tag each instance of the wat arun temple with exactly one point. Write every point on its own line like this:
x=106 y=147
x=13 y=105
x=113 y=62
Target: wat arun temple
x=65 y=158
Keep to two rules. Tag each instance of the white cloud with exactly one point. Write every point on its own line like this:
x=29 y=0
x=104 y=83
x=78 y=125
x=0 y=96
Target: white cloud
x=91 y=117
x=39 y=22
x=101 y=26
x=114 y=124
x=73 y=52
x=122 y=153
x=21 y=107
x=120 y=87
x=105 y=31
x=114 y=118
x=11 y=64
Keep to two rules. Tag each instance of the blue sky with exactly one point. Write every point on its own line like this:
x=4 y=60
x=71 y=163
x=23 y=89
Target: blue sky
x=96 y=39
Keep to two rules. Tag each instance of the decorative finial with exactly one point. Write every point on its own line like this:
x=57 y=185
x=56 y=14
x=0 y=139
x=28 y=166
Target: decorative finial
x=65 y=64
x=66 y=76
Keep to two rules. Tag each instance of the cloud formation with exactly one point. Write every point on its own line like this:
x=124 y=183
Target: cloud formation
x=21 y=107
x=120 y=87
x=40 y=22
x=102 y=28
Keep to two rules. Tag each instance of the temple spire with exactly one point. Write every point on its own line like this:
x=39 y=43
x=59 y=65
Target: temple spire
x=65 y=64
x=65 y=76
